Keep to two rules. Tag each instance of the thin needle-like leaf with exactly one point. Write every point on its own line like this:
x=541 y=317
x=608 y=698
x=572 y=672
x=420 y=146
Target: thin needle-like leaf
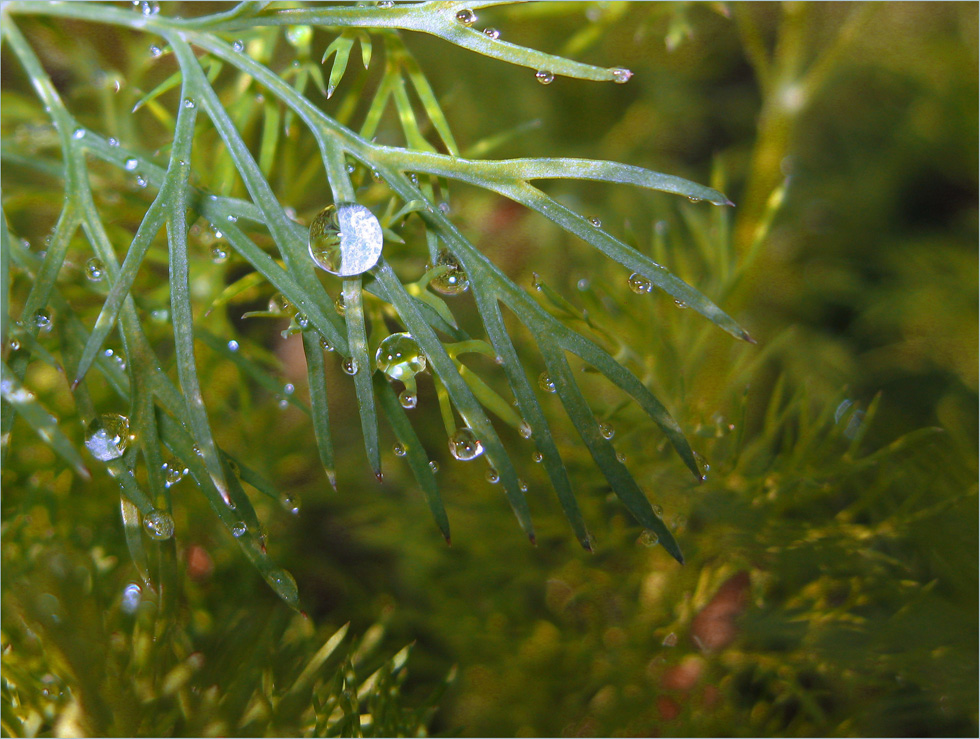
x=316 y=374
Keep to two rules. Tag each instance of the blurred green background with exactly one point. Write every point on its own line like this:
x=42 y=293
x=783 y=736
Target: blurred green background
x=831 y=576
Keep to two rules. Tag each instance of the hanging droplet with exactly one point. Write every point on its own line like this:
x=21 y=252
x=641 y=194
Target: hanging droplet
x=454 y=280
x=219 y=255
x=493 y=477
x=113 y=141
x=658 y=510
x=606 y=430
x=408 y=400
x=149 y=8
x=42 y=321
x=399 y=450
x=466 y=16
x=173 y=471
x=385 y=4
x=279 y=303
x=702 y=466
x=525 y=430
x=640 y=284
x=621 y=76
x=434 y=466
x=536 y=281
x=94 y=269
x=132 y=595
x=290 y=503
x=546 y=383
x=108 y=436
x=464 y=445
x=345 y=239
x=325 y=345
x=400 y=357
x=595 y=222
x=339 y=305
x=649 y=538
x=349 y=365
x=159 y=525
x=233 y=346
x=491 y=33
x=537 y=457
x=78 y=133
x=238 y=529
x=238 y=46
x=131 y=164
x=444 y=208
x=141 y=180
x=620 y=457
x=522 y=484
x=189 y=103
x=14 y=345
x=544 y=76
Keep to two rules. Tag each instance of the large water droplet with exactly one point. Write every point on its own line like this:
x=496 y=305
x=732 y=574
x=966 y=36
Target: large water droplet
x=233 y=346
x=544 y=76
x=349 y=365
x=454 y=280
x=408 y=400
x=159 y=525
x=400 y=357
x=466 y=16
x=546 y=383
x=606 y=430
x=464 y=445
x=640 y=284
x=94 y=269
x=132 y=594
x=238 y=529
x=108 y=436
x=345 y=239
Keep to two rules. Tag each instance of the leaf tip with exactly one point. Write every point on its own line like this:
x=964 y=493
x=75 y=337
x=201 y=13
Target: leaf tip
x=380 y=475
x=332 y=477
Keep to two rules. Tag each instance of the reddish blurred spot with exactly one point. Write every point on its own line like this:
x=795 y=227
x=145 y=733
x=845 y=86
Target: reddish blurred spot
x=669 y=710
x=685 y=675
x=711 y=696
x=199 y=563
x=715 y=628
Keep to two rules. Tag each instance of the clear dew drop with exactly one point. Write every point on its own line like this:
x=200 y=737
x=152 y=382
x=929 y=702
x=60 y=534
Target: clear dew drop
x=640 y=284
x=621 y=76
x=491 y=33
x=620 y=457
x=399 y=450
x=14 y=345
x=583 y=284
x=325 y=345
x=434 y=466
x=238 y=529
x=649 y=538
x=279 y=303
x=464 y=445
x=345 y=239
x=173 y=471
x=658 y=510
x=113 y=141
x=233 y=346
x=595 y=222
x=525 y=430
x=349 y=365
x=606 y=430
x=385 y=4
x=131 y=597
x=493 y=477
x=339 y=305
x=131 y=164
x=42 y=321
x=189 y=104
x=454 y=280
x=231 y=218
x=400 y=357
x=78 y=133
x=408 y=400
x=290 y=503
x=546 y=383
x=537 y=457
x=238 y=46
x=141 y=180
x=94 y=269
x=159 y=525
x=219 y=255
x=680 y=304
x=466 y=16
x=544 y=76
x=197 y=450
x=522 y=484
x=155 y=50
x=108 y=436
x=289 y=388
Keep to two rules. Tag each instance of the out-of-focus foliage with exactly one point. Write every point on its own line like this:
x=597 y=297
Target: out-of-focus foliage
x=830 y=584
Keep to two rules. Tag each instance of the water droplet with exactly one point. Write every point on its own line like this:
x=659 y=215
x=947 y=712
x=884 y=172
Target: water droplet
x=14 y=345
x=173 y=471
x=160 y=314
x=197 y=450
x=621 y=76
x=131 y=597
x=189 y=103
x=657 y=510
x=42 y=321
x=78 y=133
x=283 y=403
x=279 y=303
x=620 y=457
x=238 y=529
x=113 y=141
x=349 y=366
x=325 y=345
x=595 y=222
x=522 y=484
x=434 y=466
x=141 y=180
x=677 y=522
x=233 y=346
x=159 y=525
x=385 y=4
x=454 y=280
x=606 y=430
x=491 y=33
x=702 y=466
x=408 y=400
x=94 y=269
x=694 y=200
x=414 y=178
x=400 y=357
x=640 y=284
x=444 y=208
x=376 y=175
x=466 y=16
x=670 y=640
x=399 y=450
x=544 y=76
x=583 y=284
x=231 y=218
x=289 y=388
x=649 y=538
x=339 y=305
x=345 y=239
x=525 y=430
x=238 y=46
x=108 y=436
x=464 y=445
x=546 y=383
x=155 y=50
x=680 y=304
x=536 y=281
x=219 y=255
x=290 y=503
x=148 y=8
x=131 y=164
